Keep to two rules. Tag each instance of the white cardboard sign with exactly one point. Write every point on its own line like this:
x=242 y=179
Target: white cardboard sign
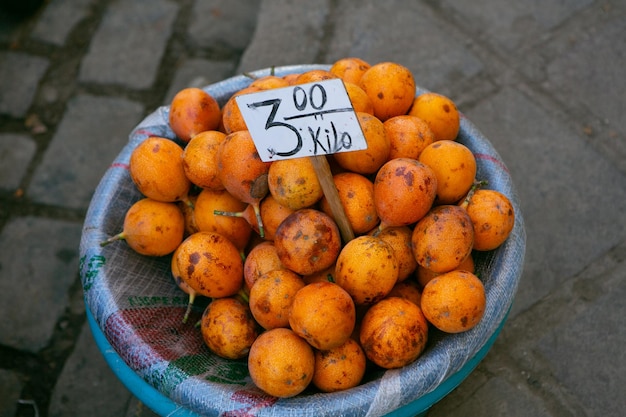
x=303 y=120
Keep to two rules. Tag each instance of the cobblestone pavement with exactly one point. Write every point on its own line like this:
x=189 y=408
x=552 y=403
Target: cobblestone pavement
x=544 y=80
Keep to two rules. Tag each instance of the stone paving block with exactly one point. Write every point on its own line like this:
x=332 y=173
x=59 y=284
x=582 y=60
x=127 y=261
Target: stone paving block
x=129 y=44
x=600 y=88
x=10 y=391
x=509 y=25
x=497 y=397
x=574 y=204
x=527 y=335
x=20 y=74
x=93 y=131
x=39 y=263
x=198 y=73
x=138 y=409
x=223 y=24
x=87 y=386
x=581 y=68
x=16 y=152
x=428 y=46
x=59 y=19
x=592 y=342
x=287 y=33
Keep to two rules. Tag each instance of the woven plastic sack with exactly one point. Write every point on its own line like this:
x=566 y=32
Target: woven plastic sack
x=138 y=307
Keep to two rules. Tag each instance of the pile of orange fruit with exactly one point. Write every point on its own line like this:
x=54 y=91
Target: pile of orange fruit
x=287 y=291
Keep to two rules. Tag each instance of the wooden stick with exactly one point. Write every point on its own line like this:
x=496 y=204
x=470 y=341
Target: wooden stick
x=325 y=177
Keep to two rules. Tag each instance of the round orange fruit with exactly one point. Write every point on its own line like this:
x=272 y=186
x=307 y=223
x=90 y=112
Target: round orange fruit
x=281 y=363
x=454 y=302
x=393 y=332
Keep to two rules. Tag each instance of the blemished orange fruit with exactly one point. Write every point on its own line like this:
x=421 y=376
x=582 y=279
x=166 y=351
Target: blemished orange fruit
x=439 y=112
x=152 y=228
x=313 y=76
x=367 y=161
x=228 y=328
x=350 y=69
x=404 y=191
x=271 y=297
x=293 y=183
x=192 y=111
x=199 y=159
x=273 y=213
x=443 y=238
x=339 y=368
x=261 y=259
x=394 y=332
x=359 y=99
x=367 y=269
x=454 y=302
x=408 y=135
x=236 y=229
x=269 y=82
x=242 y=171
x=424 y=275
x=356 y=193
x=281 y=363
x=399 y=238
x=210 y=264
x=156 y=168
x=391 y=87
x=455 y=167
x=232 y=119
x=307 y=241
x=323 y=314
x=408 y=289
x=493 y=218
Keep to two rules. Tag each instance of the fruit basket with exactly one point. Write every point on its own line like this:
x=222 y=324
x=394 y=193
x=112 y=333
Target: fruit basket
x=134 y=308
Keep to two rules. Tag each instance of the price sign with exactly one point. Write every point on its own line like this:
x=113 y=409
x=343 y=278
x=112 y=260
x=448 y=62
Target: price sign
x=304 y=120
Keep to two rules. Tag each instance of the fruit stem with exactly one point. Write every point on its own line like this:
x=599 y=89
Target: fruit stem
x=228 y=213
x=119 y=236
x=187 y=201
x=475 y=186
x=192 y=297
x=381 y=226
x=243 y=295
x=257 y=213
